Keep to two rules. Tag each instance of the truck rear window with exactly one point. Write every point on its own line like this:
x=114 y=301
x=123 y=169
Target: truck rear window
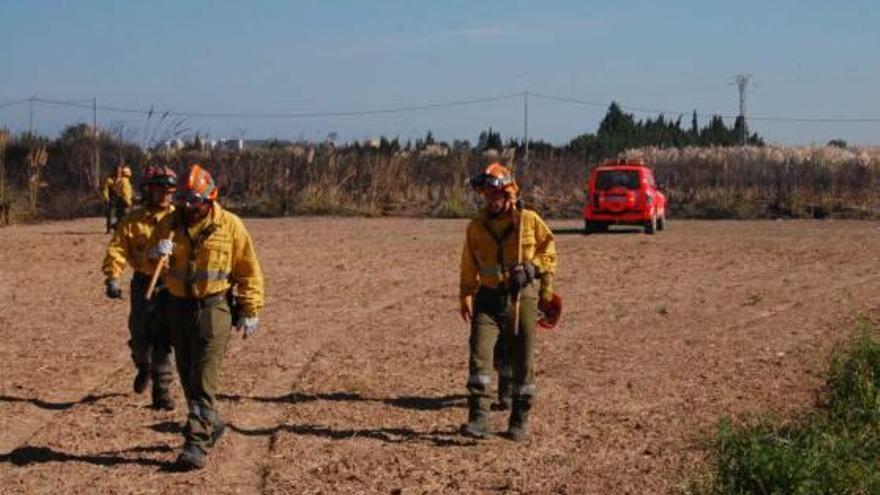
x=617 y=178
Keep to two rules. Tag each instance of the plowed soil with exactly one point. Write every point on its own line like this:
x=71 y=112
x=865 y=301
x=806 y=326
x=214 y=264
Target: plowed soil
x=355 y=381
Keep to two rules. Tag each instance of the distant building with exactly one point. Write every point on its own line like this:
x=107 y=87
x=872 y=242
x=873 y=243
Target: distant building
x=174 y=144
x=231 y=144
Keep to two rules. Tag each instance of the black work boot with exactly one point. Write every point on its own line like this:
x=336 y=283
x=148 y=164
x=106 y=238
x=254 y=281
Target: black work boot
x=477 y=425
x=518 y=428
x=191 y=458
x=505 y=394
x=141 y=380
x=219 y=430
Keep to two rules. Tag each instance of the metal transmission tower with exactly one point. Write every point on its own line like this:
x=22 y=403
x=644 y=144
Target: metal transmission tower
x=742 y=82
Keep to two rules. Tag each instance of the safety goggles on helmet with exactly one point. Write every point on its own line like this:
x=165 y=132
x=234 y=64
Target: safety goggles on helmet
x=188 y=197
x=166 y=181
x=487 y=181
x=160 y=176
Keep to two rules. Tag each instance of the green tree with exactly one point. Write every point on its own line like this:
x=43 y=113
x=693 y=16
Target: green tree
x=490 y=139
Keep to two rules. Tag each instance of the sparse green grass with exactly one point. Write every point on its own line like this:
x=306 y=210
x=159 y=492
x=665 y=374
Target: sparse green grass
x=455 y=206
x=834 y=449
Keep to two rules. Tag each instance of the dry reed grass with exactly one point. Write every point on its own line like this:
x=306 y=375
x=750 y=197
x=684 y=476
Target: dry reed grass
x=740 y=182
x=755 y=182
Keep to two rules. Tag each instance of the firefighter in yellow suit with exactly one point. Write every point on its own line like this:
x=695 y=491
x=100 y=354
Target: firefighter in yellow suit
x=118 y=195
x=150 y=349
x=215 y=285
x=492 y=278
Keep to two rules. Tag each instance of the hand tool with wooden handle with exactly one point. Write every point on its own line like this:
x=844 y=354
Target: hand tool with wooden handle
x=160 y=265
x=519 y=260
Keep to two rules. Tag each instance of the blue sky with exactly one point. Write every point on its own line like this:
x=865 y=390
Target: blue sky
x=808 y=58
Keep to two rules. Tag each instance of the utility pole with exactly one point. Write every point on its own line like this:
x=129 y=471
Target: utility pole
x=31 y=116
x=96 y=157
x=742 y=82
x=526 y=126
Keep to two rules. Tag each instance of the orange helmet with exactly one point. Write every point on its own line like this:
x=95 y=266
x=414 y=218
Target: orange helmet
x=495 y=177
x=197 y=185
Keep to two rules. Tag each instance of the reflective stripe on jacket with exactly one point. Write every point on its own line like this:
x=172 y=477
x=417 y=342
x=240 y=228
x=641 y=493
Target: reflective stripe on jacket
x=480 y=264
x=130 y=242
x=212 y=256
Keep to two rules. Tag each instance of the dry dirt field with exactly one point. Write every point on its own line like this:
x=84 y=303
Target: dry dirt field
x=355 y=381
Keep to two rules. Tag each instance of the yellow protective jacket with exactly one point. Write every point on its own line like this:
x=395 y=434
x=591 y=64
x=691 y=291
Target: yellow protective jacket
x=107 y=187
x=130 y=242
x=211 y=257
x=117 y=188
x=124 y=191
x=480 y=263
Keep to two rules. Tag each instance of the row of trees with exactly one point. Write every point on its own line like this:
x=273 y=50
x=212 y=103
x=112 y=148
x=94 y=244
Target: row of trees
x=620 y=131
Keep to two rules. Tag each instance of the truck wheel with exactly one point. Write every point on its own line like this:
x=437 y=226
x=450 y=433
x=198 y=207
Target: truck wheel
x=651 y=225
x=661 y=223
x=594 y=227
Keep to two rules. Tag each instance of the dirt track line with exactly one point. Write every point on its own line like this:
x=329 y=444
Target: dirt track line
x=248 y=450
x=266 y=468
x=54 y=417
x=285 y=415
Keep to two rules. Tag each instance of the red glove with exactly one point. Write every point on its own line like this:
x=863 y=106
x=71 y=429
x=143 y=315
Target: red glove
x=551 y=310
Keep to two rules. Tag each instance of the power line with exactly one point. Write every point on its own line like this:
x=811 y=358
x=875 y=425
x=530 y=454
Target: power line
x=594 y=103
x=13 y=103
x=90 y=105
x=288 y=115
x=704 y=114
x=815 y=119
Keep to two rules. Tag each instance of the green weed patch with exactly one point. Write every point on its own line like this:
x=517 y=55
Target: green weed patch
x=834 y=449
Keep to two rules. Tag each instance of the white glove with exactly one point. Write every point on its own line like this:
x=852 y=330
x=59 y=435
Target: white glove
x=248 y=325
x=163 y=248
